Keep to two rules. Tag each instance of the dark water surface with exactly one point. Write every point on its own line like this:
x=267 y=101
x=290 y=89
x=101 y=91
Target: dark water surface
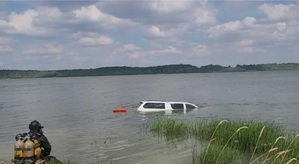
x=79 y=122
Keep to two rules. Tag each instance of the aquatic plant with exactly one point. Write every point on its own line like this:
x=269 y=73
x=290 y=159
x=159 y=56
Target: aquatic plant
x=245 y=141
x=170 y=128
x=212 y=138
x=258 y=142
x=214 y=152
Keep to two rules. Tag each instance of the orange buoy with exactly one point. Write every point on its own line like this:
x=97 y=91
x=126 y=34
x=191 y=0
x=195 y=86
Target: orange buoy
x=119 y=110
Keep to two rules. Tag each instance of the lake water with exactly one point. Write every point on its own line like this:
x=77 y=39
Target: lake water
x=79 y=122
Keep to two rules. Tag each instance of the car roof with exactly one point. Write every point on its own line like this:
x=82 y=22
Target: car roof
x=159 y=101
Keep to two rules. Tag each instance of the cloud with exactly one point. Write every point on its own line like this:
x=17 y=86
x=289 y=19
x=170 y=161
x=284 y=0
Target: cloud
x=23 y=23
x=248 y=21
x=282 y=22
x=5 y=40
x=279 y=30
x=49 y=17
x=231 y=27
x=247 y=46
x=50 y=12
x=168 y=50
x=161 y=13
x=155 y=31
x=199 y=49
x=49 y=21
x=131 y=51
x=27 y=22
x=67 y=5
x=4 y=26
x=204 y=16
x=169 y=6
x=5 y=45
x=278 y=11
x=217 y=30
x=245 y=42
x=250 y=27
x=95 y=40
x=43 y=49
x=146 y=32
x=93 y=14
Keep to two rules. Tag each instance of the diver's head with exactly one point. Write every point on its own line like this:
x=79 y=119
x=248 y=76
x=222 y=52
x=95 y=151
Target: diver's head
x=35 y=126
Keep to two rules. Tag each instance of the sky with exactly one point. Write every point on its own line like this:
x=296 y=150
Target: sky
x=84 y=34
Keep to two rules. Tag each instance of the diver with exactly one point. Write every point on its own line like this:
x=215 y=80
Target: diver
x=41 y=147
x=35 y=131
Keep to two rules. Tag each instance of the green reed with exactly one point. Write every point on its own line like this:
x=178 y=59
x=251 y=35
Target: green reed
x=287 y=151
x=170 y=128
x=216 y=154
x=230 y=141
x=259 y=142
x=245 y=140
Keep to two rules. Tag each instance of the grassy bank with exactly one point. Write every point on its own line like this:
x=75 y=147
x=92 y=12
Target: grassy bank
x=232 y=141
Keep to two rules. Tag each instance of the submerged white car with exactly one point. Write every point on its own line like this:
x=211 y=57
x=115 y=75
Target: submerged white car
x=164 y=106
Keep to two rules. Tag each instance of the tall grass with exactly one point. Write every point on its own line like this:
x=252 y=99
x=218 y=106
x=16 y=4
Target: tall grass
x=258 y=142
x=170 y=129
x=245 y=140
x=215 y=152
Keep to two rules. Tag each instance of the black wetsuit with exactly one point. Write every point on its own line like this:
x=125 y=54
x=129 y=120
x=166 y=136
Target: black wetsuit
x=44 y=143
x=45 y=147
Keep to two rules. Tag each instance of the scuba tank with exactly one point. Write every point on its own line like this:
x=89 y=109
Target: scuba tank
x=37 y=149
x=28 y=148
x=19 y=146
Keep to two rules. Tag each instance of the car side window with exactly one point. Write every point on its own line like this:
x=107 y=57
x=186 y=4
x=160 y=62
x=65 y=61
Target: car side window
x=154 y=105
x=177 y=106
x=189 y=106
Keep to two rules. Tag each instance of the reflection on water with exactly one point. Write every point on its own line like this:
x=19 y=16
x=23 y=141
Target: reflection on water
x=79 y=122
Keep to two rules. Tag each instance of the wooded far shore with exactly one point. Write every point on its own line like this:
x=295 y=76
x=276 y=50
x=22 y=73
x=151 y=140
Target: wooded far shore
x=163 y=69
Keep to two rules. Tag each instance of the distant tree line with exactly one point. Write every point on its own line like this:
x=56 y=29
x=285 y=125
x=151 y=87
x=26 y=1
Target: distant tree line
x=164 y=69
